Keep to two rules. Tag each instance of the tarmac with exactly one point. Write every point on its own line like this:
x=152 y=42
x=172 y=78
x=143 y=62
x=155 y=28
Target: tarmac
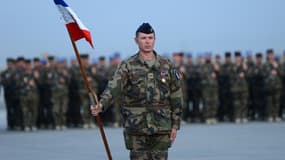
x=224 y=141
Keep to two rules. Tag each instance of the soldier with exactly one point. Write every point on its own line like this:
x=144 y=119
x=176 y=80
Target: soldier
x=250 y=66
x=273 y=87
x=84 y=97
x=239 y=89
x=115 y=60
x=225 y=110
x=60 y=94
x=74 y=115
x=282 y=107
x=29 y=96
x=8 y=85
x=150 y=93
x=209 y=87
x=258 y=88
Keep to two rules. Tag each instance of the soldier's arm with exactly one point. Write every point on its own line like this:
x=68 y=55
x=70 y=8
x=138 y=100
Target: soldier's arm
x=115 y=86
x=176 y=100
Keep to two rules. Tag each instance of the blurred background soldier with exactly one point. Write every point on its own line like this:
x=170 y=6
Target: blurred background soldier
x=258 y=88
x=74 y=116
x=282 y=107
x=273 y=87
x=20 y=69
x=29 y=96
x=225 y=111
x=209 y=87
x=249 y=77
x=115 y=60
x=8 y=84
x=239 y=89
x=60 y=94
x=190 y=78
x=218 y=64
x=83 y=93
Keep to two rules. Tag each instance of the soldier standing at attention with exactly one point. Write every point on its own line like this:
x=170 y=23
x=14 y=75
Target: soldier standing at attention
x=60 y=94
x=151 y=99
x=273 y=87
x=258 y=88
x=209 y=87
x=29 y=97
x=226 y=109
x=282 y=107
x=8 y=85
x=239 y=89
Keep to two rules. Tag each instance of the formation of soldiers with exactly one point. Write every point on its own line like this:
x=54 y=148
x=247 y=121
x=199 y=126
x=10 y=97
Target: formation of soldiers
x=240 y=89
x=50 y=93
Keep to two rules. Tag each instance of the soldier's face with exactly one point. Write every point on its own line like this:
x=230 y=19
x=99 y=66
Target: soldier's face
x=145 y=42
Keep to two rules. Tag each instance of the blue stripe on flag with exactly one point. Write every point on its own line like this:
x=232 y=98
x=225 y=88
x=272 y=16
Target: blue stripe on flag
x=60 y=2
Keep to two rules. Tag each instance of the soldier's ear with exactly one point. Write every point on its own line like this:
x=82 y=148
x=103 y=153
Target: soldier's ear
x=136 y=40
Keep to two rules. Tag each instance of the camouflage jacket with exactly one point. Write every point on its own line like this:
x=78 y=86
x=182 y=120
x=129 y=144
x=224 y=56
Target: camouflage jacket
x=271 y=82
x=151 y=96
x=8 y=82
x=207 y=80
x=238 y=84
x=27 y=84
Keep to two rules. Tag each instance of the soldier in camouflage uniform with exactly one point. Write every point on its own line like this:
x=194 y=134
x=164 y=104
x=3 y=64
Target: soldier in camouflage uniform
x=9 y=91
x=209 y=86
x=273 y=87
x=225 y=111
x=84 y=97
x=29 y=97
x=239 y=89
x=282 y=107
x=150 y=93
x=114 y=62
x=60 y=82
x=258 y=88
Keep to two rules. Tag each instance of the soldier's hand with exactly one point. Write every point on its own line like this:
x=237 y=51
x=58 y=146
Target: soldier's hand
x=241 y=75
x=173 y=135
x=274 y=72
x=214 y=75
x=95 y=110
x=275 y=64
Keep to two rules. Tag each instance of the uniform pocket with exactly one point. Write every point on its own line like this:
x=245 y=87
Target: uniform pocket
x=162 y=120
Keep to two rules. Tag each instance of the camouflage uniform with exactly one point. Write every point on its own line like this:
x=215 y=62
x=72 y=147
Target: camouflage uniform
x=250 y=82
x=29 y=99
x=151 y=101
x=84 y=97
x=60 y=96
x=209 y=86
x=283 y=90
x=8 y=84
x=258 y=91
x=239 y=90
x=273 y=88
x=225 y=110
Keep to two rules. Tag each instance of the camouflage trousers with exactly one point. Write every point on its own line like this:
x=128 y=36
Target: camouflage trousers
x=273 y=104
x=240 y=104
x=211 y=102
x=148 y=147
x=60 y=102
x=29 y=105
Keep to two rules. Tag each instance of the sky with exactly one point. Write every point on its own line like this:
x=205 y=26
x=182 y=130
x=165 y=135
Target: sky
x=32 y=28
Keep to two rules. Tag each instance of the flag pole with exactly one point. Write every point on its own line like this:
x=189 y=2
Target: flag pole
x=92 y=96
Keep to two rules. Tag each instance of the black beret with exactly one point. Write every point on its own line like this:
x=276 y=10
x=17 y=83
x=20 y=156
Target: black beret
x=237 y=54
x=10 y=60
x=228 y=54
x=28 y=61
x=258 y=55
x=269 y=51
x=145 y=28
x=50 y=58
x=102 y=58
x=84 y=56
x=180 y=54
x=20 y=59
x=36 y=59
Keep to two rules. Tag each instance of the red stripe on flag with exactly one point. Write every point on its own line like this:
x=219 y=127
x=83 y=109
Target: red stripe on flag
x=76 y=33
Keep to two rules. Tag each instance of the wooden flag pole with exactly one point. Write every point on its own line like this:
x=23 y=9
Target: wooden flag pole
x=92 y=95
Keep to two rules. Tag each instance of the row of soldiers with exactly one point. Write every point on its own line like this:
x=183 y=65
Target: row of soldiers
x=51 y=94
x=48 y=93
x=240 y=90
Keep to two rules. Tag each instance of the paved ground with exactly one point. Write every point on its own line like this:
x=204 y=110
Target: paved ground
x=253 y=141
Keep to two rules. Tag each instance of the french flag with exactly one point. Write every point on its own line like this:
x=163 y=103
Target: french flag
x=75 y=27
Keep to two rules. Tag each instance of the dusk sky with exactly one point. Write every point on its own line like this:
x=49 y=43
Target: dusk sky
x=30 y=28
